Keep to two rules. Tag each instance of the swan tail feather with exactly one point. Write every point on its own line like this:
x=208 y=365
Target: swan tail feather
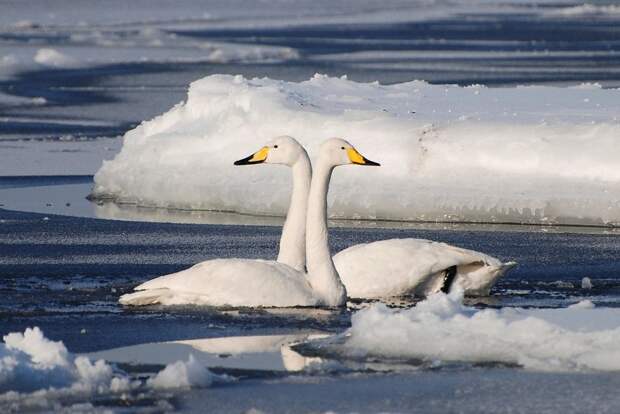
x=448 y=279
x=144 y=297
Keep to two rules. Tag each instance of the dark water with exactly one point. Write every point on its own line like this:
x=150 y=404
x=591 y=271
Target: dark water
x=65 y=274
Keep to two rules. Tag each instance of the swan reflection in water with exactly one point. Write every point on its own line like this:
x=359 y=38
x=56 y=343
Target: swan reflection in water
x=254 y=356
x=267 y=353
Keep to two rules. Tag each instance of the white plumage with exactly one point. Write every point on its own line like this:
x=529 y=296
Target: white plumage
x=399 y=267
x=228 y=282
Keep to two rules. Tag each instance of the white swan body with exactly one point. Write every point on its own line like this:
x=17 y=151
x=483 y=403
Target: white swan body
x=247 y=282
x=228 y=282
x=400 y=267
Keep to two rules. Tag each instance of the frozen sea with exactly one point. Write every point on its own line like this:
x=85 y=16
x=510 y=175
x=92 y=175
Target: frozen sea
x=74 y=77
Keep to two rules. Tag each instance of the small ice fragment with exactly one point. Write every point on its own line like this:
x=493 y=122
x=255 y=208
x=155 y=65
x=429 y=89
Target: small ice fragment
x=46 y=218
x=24 y=24
x=586 y=283
x=584 y=304
x=53 y=58
x=39 y=100
x=83 y=331
x=182 y=374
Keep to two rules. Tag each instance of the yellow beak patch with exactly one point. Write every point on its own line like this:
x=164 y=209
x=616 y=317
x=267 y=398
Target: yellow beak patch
x=260 y=155
x=355 y=157
x=256 y=158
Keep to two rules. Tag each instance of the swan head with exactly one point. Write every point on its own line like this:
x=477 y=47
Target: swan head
x=337 y=151
x=283 y=150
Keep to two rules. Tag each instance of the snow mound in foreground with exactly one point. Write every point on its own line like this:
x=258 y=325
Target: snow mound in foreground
x=35 y=370
x=524 y=154
x=29 y=362
x=441 y=328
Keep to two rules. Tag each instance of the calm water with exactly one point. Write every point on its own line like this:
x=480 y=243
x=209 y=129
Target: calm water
x=66 y=273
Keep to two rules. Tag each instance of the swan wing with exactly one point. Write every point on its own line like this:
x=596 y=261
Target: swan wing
x=228 y=282
x=397 y=267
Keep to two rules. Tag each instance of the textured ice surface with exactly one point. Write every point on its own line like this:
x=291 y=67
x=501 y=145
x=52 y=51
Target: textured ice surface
x=31 y=362
x=580 y=337
x=526 y=154
x=35 y=371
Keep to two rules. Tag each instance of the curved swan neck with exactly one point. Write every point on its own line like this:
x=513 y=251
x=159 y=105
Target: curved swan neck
x=322 y=273
x=293 y=240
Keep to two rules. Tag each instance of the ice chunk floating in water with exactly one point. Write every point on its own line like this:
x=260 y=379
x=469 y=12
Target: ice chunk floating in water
x=36 y=371
x=526 y=154
x=440 y=328
x=29 y=361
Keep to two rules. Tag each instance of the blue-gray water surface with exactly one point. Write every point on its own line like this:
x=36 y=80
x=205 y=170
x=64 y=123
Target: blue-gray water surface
x=65 y=273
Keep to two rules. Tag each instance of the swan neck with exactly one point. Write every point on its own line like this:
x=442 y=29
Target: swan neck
x=293 y=240
x=322 y=273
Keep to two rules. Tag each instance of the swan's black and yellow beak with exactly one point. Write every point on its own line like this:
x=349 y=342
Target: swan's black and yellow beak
x=256 y=158
x=357 y=158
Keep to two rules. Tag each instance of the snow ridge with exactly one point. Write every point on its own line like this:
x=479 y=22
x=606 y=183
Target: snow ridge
x=522 y=155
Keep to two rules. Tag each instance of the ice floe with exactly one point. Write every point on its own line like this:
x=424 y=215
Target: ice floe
x=525 y=154
x=581 y=337
x=182 y=374
x=35 y=370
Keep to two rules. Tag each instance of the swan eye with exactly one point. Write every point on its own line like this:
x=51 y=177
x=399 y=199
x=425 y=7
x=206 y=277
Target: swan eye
x=341 y=147
x=275 y=146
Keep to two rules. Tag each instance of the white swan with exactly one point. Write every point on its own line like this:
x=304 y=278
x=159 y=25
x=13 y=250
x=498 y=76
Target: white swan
x=245 y=282
x=400 y=267
x=287 y=151
x=393 y=267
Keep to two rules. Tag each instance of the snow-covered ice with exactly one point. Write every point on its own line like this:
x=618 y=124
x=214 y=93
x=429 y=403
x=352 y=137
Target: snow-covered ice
x=586 y=283
x=31 y=362
x=581 y=337
x=182 y=374
x=526 y=154
x=34 y=371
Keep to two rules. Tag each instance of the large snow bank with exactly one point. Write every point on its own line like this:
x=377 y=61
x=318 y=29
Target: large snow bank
x=35 y=370
x=441 y=328
x=525 y=154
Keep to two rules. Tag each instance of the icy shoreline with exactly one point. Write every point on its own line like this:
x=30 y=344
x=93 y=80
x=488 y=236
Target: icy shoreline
x=540 y=155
